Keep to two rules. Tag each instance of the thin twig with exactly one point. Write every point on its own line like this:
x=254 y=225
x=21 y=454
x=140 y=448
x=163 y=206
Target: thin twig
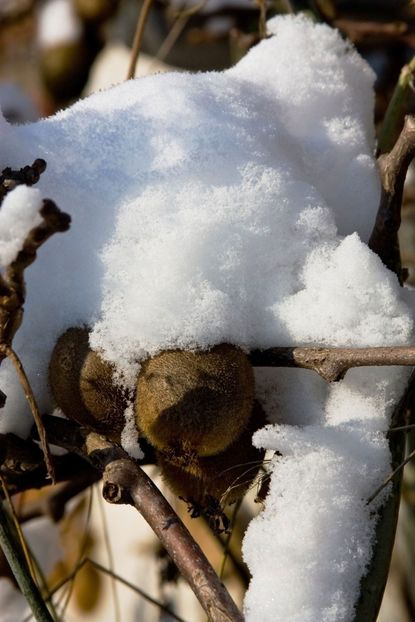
x=227 y=540
x=82 y=549
x=372 y=584
x=116 y=577
x=19 y=531
x=177 y=29
x=332 y=363
x=107 y=541
x=402 y=428
x=398 y=417
x=390 y=477
x=17 y=563
x=21 y=374
x=138 y=37
x=262 y=20
x=393 y=167
x=12 y=284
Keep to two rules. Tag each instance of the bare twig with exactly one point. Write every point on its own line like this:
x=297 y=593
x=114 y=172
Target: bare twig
x=373 y=583
x=110 y=555
x=83 y=549
x=398 y=419
x=9 y=352
x=402 y=428
x=332 y=363
x=176 y=30
x=399 y=106
x=19 y=531
x=138 y=37
x=393 y=167
x=358 y=30
x=262 y=21
x=11 y=550
x=113 y=575
x=126 y=482
x=227 y=540
x=12 y=286
x=391 y=476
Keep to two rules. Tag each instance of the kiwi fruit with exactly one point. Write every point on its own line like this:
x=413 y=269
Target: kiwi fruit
x=194 y=403
x=224 y=477
x=82 y=384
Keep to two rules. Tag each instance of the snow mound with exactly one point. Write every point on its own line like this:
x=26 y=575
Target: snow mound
x=234 y=207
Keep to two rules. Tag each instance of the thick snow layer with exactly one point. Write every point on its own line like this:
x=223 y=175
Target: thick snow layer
x=309 y=548
x=234 y=207
x=18 y=215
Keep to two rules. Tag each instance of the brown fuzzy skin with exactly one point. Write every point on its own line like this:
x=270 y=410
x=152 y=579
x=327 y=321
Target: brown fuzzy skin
x=194 y=403
x=81 y=383
x=224 y=477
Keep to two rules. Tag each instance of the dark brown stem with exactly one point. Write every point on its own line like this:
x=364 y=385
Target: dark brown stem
x=12 y=285
x=126 y=482
x=373 y=583
x=12 y=356
x=393 y=167
x=332 y=363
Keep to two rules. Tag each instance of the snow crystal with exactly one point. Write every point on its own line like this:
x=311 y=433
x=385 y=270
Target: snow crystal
x=234 y=207
x=19 y=214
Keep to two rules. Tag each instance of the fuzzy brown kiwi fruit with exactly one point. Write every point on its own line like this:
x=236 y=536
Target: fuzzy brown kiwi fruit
x=224 y=477
x=82 y=386
x=194 y=403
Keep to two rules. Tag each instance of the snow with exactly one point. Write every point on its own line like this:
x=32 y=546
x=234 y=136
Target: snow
x=18 y=215
x=235 y=207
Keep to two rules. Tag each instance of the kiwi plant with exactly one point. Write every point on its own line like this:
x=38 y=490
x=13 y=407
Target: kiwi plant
x=197 y=410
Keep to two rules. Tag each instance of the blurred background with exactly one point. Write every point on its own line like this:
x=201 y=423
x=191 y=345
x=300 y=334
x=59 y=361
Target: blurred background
x=53 y=52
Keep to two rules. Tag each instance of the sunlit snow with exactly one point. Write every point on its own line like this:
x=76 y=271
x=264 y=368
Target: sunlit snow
x=235 y=207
